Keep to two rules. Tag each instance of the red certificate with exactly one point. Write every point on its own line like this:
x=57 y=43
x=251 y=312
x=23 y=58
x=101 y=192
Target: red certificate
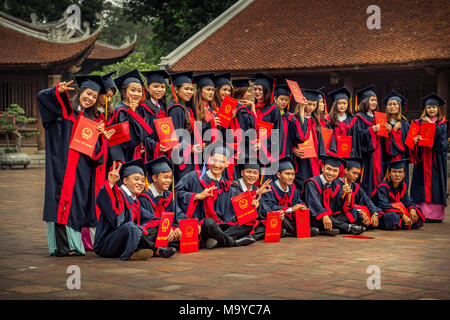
x=273 y=227
x=344 y=146
x=403 y=209
x=243 y=208
x=166 y=132
x=363 y=210
x=380 y=119
x=412 y=133
x=226 y=110
x=189 y=238
x=296 y=92
x=303 y=223
x=427 y=133
x=327 y=135
x=164 y=229
x=308 y=148
x=121 y=133
x=264 y=129
x=85 y=136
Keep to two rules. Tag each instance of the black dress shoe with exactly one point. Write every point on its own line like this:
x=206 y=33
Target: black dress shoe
x=355 y=229
x=283 y=232
x=211 y=243
x=314 y=231
x=331 y=233
x=166 y=252
x=245 y=241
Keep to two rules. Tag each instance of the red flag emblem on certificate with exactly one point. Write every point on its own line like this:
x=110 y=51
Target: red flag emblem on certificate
x=243 y=208
x=296 y=92
x=273 y=227
x=166 y=132
x=226 y=110
x=303 y=223
x=427 y=133
x=412 y=133
x=380 y=119
x=85 y=136
x=344 y=146
x=164 y=229
x=189 y=238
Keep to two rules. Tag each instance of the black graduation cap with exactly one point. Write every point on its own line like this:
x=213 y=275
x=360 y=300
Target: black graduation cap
x=220 y=147
x=398 y=164
x=155 y=76
x=285 y=163
x=158 y=165
x=181 y=77
x=366 y=92
x=332 y=161
x=240 y=83
x=108 y=80
x=433 y=99
x=264 y=80
x=341 y=93
x=131 y=167
x=394 y=95
x=249 y=163
x=93 y=82
x=311 y=94
x=129 y=77
x=203 y=80
x=353 y=163
x=282 y=90
x=321 y=93
x=222 y=79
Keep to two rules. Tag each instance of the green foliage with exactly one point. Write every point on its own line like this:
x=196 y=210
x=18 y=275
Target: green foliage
x=173 y=21
x=12 y=120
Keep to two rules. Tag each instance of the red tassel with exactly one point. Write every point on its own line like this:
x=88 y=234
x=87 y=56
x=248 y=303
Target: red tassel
x=351 y=106
x=326 y=108
x=273 y=91
x=173 y=91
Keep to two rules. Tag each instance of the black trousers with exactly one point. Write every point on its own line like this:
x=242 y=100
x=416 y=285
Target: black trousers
x=340 y=221
x=210 y=229
x=148 y=240
x=288 y=224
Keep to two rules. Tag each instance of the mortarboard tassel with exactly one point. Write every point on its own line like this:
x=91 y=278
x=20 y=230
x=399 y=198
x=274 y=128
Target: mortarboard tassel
x=143 y=95
x=289 y=103
x=173 y=91
x=326 y=108
x=356 y=103
x=351 y=105
x=106 y=109
x=273 y=91
x=146 y=184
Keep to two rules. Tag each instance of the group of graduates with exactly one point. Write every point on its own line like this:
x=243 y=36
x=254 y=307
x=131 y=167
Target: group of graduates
x=111 y=202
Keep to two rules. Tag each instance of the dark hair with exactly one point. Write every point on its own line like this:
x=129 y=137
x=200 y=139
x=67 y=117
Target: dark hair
x=88 y=112
x=239 y=92
x=334 y=113
x=199 y=111
x=186 y=104
x=364 y=105
x=216 y=99
x=267 y=96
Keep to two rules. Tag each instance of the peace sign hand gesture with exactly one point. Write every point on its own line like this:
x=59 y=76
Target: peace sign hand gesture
x=64 y=86
x=113 y=175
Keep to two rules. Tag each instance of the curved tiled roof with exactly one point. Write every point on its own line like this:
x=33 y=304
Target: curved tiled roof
x=302 y=34
x=102 y=51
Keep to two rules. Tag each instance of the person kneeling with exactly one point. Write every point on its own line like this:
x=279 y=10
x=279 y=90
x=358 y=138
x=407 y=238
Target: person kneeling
x=390 y=193
x=329 y=204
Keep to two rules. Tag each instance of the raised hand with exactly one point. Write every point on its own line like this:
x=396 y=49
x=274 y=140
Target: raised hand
x=265 y=187
x=114 y=174
x=64 y=86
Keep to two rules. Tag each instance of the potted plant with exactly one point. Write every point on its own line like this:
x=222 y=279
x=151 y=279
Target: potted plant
x=12 y=123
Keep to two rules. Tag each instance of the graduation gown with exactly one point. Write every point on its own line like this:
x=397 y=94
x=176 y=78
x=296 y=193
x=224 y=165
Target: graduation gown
x=69 y=175
x=140 y=130
x=323 y=201
x=430 y=169
x=384 y=195
x=309 y=167
x=188 y=161
x=117 y=235
x=359 y=197
x=288 y=134
x=150 y=113
x=372 y=150
x=245 y=230
x=271 y=114
x=396 y=148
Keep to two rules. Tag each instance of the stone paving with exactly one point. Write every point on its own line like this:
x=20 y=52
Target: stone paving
x=413 y=264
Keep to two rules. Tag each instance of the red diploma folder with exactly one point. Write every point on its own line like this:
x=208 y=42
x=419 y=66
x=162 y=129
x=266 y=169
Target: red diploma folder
x=308 y=148
x=243 y=208
x=264 y=129
x=121 y=133
x=344 y=146
x=273 y=227
x=380 y=119
x=226 y=110
x=327 y=135
x=303 y=223
x=164 y=229
x=412 y=133
x=427 y=133
x=85 y=136
x=296 y=92
x=189 y=238
x=364 y=210
x=401 y=207
x=166 y=132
